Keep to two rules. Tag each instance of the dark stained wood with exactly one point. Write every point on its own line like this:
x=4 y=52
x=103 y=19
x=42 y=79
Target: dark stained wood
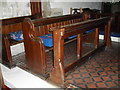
x=57 y=71
x=89 y=37
x=97 y=37
x=108 y=43
x=8 y=26
x=83 y=59
x=6 y=52
x=118 y=23
x=58 y=19
x=105 y=33
x=15 y=19
x=36 y=57
x=34 y=46
x=115 y=21
x=79 y=46
x=62 y=27
x=77 y=28
x=12 y=25
x=36 y=8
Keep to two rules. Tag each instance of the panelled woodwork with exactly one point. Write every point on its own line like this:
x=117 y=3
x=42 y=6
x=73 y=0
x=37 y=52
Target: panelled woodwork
x=36 y=8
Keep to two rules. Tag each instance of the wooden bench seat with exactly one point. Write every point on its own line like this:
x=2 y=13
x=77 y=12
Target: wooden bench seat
x=34 y=45
x=61 y=27
x=10 y=26
x=58 y=72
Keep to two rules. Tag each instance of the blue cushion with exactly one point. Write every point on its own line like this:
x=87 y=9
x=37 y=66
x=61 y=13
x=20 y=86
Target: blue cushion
x=48 y=40
x=18 y=36
x=74 y=36
x=89 y=31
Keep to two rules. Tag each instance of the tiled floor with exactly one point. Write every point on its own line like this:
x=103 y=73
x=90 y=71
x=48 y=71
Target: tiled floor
x=99 y=71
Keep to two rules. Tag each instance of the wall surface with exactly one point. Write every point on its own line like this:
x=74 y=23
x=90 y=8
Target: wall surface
x=65 y=6
x=55 y=7
x=49 y=8
x=14 y=8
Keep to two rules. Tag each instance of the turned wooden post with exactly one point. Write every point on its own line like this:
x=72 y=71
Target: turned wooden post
x=96 y=37
x=58 y=75
x=79 y=46
x=105 y=34
x=108 y=38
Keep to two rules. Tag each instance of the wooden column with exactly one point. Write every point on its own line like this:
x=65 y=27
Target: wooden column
x=118 y=24
x=36 y=8
x=96 y=37
x=79 y=46
x=107 y=37
x=58 y=75
x=6 y=52
x=105 y=34
x=108 y=42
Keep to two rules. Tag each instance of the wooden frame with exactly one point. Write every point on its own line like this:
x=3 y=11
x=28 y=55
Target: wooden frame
x=8 y=26
x=36 y=8
x=34 y=28
x=12 y=25
x=58 y=72
x=62 y=27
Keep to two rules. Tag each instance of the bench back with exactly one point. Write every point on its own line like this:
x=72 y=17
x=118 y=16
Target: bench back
x=44 y=25
x=58 y=72
x=13 y=24
x=34 y=47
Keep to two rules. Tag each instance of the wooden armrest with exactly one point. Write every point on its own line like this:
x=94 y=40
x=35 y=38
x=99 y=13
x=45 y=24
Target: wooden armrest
x=12 y=42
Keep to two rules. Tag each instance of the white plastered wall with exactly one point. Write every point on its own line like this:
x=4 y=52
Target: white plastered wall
x=62 y=7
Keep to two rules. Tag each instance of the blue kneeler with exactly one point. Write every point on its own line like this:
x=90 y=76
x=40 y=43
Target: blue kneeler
x=48 y=40
x=89 y=31
x=17 y=36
